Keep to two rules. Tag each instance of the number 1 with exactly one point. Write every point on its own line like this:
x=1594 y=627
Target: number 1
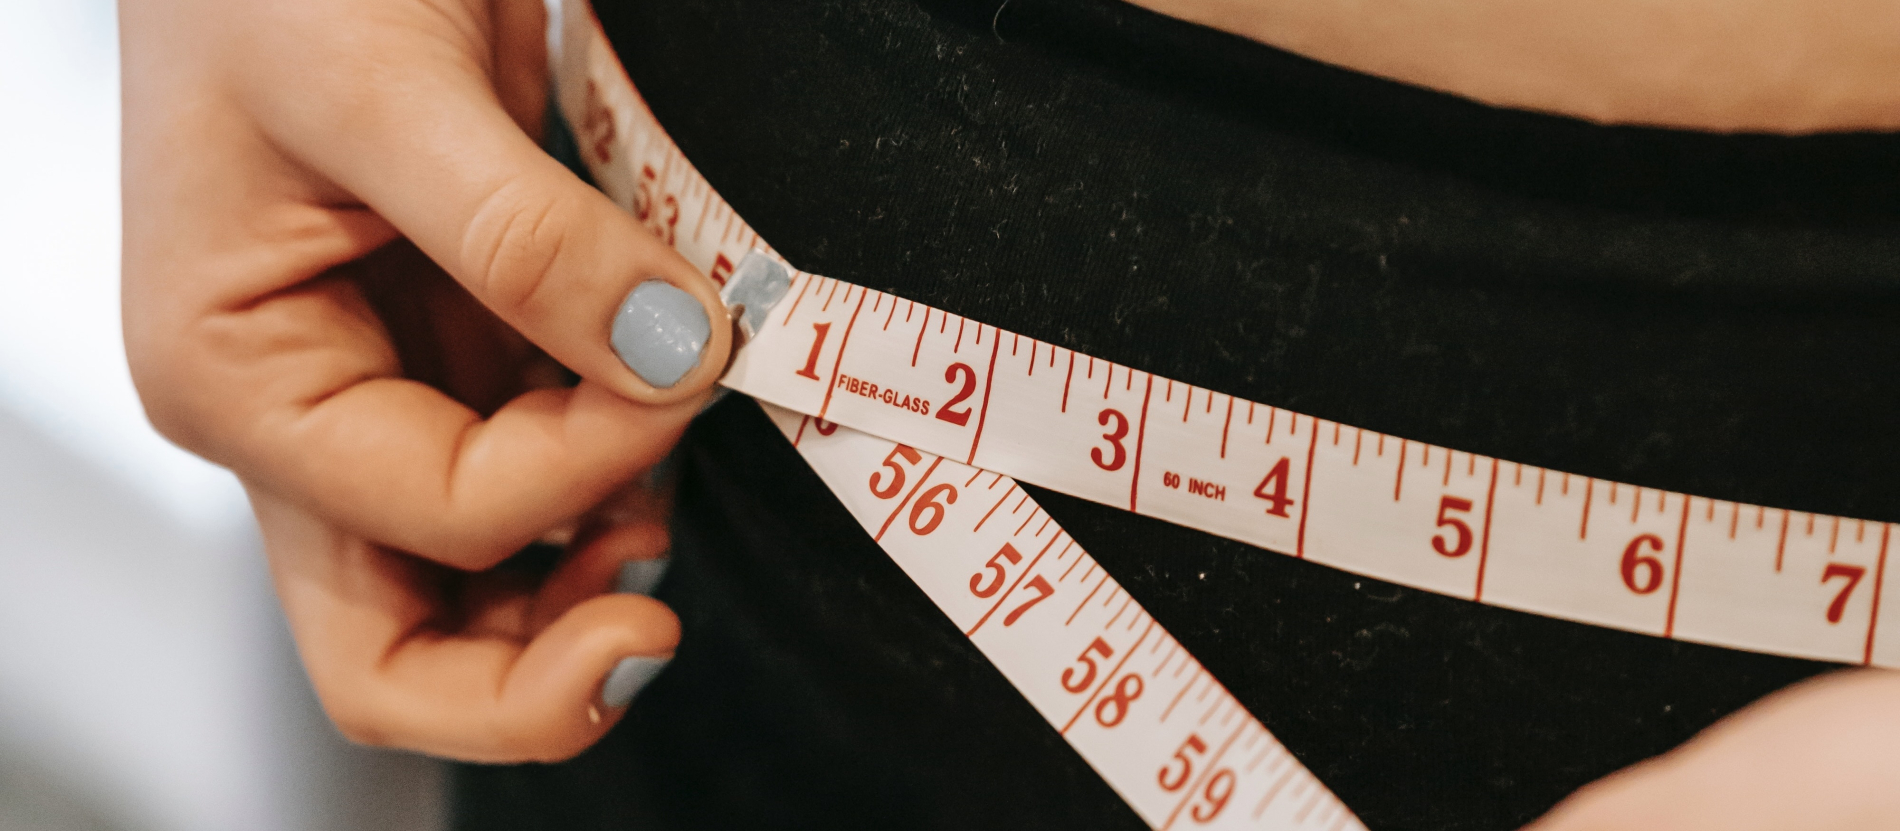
x=817 y=345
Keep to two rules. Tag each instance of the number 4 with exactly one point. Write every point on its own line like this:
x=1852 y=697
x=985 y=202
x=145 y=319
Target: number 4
x=1277 y=500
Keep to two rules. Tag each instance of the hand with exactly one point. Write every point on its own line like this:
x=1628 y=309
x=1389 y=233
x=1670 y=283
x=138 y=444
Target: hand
x=347 y=267
x=1821 y=756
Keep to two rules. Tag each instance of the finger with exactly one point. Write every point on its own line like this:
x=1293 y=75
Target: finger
x=416 y=131
x=424 y=474
x=300 y=394
x=369 y=625
x=625 y=558
x=1818 y=755
x=1636 y=799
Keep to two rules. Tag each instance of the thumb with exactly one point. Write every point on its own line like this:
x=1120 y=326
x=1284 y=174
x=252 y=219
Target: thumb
x=406 y=119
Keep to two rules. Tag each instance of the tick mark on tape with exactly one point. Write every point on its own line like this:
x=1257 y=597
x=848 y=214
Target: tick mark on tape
x=1225 y=422
x=1880 y=582
x=1065 y=574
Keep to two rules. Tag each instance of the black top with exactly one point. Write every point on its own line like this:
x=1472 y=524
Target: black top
x=1711 y=314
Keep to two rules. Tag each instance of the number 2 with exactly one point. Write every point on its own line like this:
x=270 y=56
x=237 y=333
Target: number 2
x=958 y=417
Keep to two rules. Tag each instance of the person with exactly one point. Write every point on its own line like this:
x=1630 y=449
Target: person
x=352 y=276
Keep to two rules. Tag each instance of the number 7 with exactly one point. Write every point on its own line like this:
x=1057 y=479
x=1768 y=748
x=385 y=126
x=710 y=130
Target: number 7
x=1853 y=575
x=1043 y=592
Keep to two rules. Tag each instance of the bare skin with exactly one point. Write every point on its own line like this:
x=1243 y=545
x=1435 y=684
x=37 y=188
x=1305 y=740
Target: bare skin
x=1775 y=66
x=349 y=272
x=287 y=167
x=1820 y=756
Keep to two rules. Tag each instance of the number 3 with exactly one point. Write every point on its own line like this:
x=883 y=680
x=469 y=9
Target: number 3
x=1114 y=438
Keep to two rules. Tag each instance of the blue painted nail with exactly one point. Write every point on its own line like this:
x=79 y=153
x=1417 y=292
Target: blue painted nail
x=641 y=576
x=628 y=678
x=660 y=331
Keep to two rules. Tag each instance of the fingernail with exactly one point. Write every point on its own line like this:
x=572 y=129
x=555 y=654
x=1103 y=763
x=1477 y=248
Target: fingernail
x=628 y=678
x=660 y=331
x=641 y=576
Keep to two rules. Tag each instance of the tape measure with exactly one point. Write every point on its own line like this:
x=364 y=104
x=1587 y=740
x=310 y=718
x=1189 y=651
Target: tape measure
x=920 y=421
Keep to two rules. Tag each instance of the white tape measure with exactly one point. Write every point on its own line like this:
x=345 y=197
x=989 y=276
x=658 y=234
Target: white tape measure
x=973 y=406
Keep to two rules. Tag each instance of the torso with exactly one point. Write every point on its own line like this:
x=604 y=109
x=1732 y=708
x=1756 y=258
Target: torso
x=1711 y=314
x=1776 y=66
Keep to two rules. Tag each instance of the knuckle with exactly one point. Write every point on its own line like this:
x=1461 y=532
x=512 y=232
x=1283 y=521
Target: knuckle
x=168 y=395
x=512 y=244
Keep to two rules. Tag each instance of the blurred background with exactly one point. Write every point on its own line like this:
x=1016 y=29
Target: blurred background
x=147 y=681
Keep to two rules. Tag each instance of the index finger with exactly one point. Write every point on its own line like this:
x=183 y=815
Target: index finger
x=369 y=625
x=427 y=144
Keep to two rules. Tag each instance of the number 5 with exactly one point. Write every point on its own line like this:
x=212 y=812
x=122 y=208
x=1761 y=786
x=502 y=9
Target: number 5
x=1076 y=685
x=1187 y=764
x=994 y=569
x=897 y=471
x=1463 y=545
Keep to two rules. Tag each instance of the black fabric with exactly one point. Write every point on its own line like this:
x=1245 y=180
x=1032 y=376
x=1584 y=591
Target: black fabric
x=1713 y=314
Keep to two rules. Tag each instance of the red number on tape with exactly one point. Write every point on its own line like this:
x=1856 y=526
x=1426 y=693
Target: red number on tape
x=817 y=345
x=1043 y=592
x=1125 y=694
x=995 y=570
x=1277 y=500
x=1463 y=545
x=1217 y=791
x=1187 y=764
x=927 y=502
x=1114 y=438
x=958 y=417
x=1080 y=684
x=598 y=125
x=1853 y=575
x=1633 y=559
x=896 y=483
x=721 y=269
